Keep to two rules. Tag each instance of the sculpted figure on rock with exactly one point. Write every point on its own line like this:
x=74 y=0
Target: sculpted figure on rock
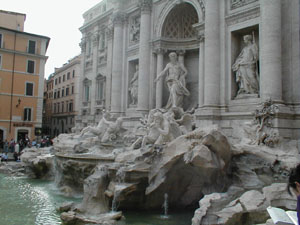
x=112 y=130
x=245 y=68
x=99 y=129
x=175 y=78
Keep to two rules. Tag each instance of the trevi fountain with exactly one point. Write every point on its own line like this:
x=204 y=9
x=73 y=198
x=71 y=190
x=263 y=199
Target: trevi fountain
x=200 y=113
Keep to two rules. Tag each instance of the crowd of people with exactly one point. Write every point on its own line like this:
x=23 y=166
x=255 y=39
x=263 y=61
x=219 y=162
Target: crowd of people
x=16 y=147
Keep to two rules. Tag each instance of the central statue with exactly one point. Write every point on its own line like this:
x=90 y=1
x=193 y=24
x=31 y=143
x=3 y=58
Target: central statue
x=175 y=79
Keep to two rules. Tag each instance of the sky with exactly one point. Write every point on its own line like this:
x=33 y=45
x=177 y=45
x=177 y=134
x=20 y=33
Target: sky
x=57 y=19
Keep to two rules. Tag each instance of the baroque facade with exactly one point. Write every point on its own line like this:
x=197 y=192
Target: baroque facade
x=237 y=54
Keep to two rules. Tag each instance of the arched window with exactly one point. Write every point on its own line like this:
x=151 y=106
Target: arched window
x=179 y=22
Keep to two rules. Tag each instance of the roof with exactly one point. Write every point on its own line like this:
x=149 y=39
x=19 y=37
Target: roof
x=13 y=13
x=26 y=33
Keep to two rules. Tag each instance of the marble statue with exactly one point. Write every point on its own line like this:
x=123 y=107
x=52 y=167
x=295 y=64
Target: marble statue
x=112 y=130
x=99 y=129
x=245 y=68
x=260 y=130
x=175 y=79
x=133 y=86
x=76 y=129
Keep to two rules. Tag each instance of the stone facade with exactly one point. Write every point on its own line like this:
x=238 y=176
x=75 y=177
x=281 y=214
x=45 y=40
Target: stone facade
x=237 y=54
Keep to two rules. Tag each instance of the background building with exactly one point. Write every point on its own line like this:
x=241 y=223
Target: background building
x=22 y=63
x=47 y=106
x=65 y=96
x=208 y=37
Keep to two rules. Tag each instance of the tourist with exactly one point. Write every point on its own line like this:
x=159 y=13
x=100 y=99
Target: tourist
x=16 y=155
x=4 y=157
x=294 y=184
x=12 y=145
x=5 y=146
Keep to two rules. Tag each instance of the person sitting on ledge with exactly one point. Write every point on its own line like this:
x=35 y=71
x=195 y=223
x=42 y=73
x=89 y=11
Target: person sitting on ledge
x=294 y=185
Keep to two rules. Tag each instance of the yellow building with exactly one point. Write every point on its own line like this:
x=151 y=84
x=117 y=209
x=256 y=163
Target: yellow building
x=22 y=64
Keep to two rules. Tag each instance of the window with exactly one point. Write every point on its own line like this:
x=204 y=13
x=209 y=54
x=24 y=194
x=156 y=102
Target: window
x=1 y=40
x=62 y=92
x=73 y=75
x=31 y=47
x=100 y=82
x=58 y=107
x=29 y=89
x=0 y=61
x=27 y=114
x=30 y=66
x=58 y=94
x=86 y=88
x=67 y=91
x=71 y=107
x=62 y=107
x=54 y=94
x=54 y=108
x=55 y=81
x=68 y=76
x=59 y=80
x=72 y=89
x=64 y=77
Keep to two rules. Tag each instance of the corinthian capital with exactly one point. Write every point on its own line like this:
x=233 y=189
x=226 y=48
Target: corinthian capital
x=119 y=18
x=145 y=5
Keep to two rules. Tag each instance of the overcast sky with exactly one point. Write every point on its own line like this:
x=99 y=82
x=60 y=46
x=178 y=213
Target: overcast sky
x=57 y=19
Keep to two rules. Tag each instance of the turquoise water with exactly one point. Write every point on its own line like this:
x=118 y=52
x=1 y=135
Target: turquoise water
x=154 y=218
x=33 y=202
x=29 y=202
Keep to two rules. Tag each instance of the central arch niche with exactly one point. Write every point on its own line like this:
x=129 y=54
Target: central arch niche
x=178 y=35
x=179 y=22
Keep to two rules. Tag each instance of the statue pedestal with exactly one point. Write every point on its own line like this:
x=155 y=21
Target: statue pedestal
x=246 y=96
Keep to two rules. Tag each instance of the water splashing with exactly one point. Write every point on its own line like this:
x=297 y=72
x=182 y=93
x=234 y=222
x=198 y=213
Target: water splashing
x=120 y=175
x=165 y=207
x=115 y=201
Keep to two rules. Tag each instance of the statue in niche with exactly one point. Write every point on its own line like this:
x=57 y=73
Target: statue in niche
x=133 y=86
x=175 y=79
x=135 y=30
x=245 y=68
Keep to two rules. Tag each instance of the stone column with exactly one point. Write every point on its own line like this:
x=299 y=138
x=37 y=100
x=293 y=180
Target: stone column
x=80 y=91
x=270 y=45
x=201 y=73
x=180 y=54
x=212 y=54
x=95 y=41
x=109 y=36
x=116 y=87
x=159 y=84
x=144 y=56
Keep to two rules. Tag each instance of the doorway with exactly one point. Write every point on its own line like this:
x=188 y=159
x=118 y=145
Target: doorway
x=1 y=138
x=22 y=134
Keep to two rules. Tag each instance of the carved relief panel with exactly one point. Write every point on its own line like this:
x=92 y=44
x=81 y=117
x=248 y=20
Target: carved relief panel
x=134 y=29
